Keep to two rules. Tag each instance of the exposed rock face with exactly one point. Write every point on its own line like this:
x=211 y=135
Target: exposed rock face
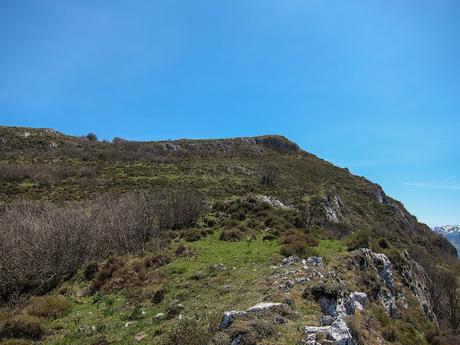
x=252 y=144
x=229 y=316
x=379 y=194
x=417 y=280
x=273 y=202
x=326 y=209
x=315 y=261
x=333 y=208
x=382 y=265
x=335 y=329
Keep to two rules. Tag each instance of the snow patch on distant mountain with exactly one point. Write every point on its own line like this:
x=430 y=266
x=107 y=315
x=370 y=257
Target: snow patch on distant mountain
x=447 y=229
x=451 y=232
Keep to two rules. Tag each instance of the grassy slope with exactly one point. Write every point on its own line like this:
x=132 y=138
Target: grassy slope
x=198 y=281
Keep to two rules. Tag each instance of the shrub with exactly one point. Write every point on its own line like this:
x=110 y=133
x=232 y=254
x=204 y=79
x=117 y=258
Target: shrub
x=22 y=327
x=383 y=243
x=358 y=240
x=52 y=307
x=182 y=250
x=158 y=296
x=299 y=249
x=231 y=235
x=295 y=236
x=192 y=235
x=157 y=260
x=188 y=332
x=268 y=175
x=90 y=271
x=91 y=137
x=269 y=237
x=105 y=273
x=42 y=244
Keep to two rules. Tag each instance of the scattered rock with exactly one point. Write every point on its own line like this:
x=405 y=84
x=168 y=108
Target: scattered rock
x=159 y=316
x=263 y=307
x=289 y=261
x=279 y=320
x=229 y=316
x=273 y=202
x=315 y=261
x=141 y=336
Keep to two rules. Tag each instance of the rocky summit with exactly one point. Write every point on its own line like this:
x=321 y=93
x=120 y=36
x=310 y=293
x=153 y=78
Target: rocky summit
x=238 y=241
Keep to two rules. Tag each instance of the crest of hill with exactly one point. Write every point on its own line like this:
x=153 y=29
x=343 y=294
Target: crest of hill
x=26 y=138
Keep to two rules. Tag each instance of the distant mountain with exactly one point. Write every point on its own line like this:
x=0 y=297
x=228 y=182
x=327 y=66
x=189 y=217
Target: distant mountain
x=451 y=232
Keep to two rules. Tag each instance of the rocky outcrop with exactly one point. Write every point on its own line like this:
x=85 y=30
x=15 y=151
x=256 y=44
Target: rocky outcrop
x=333 y=208
x=229 y=316
x=254 y=145
x=326 y=209
x=334 y=328
x=382 y=265
x=417 y=279
x=273 y=202
x=378 y=193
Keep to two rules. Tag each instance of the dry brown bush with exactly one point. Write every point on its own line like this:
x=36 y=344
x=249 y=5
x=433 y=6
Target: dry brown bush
x=41 y=244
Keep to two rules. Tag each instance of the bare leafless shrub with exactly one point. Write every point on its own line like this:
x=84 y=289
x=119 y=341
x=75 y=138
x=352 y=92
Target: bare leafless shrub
x=88 y=172
x=42 y=244
x=268 y=175
x=17 y=172
x=63 y=172
x=39 y=245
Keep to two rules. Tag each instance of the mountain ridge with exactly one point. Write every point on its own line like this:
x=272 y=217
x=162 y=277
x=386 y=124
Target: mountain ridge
x=241 y=230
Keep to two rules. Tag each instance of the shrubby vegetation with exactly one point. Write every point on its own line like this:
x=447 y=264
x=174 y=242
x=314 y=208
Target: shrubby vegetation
x=41 y=244
x=113 y=230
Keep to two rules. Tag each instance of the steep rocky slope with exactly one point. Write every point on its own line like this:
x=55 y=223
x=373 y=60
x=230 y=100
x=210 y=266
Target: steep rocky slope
x=288 y=249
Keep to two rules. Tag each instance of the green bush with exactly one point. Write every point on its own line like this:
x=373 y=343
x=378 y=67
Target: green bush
x=357 y=240
x=192 y=235
x=157 y=260
x=231 y=235
x=299 y=249
x=22 y=327
x=188 y=332
x=52 y=307
x=383 y=243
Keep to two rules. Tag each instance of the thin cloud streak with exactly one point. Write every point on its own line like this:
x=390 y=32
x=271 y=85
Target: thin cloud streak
x=435 y=185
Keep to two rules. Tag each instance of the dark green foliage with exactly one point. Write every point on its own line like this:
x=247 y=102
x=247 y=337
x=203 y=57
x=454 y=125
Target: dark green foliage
x=270 y=237
x=90 y=271
x=105 y=273
x=52 y=307
x=158 y=296
x=231 y=235
x=359 y=239
x=157 y=260
x=299 y=249
x=298 y=243
x=192 y=235
x=189 y=332
x=22 y=327
x=383 y=243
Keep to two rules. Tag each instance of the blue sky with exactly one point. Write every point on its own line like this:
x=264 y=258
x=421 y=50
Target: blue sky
x=369 y=85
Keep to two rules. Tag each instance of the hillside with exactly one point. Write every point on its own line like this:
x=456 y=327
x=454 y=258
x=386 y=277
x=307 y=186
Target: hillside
x=228 y=241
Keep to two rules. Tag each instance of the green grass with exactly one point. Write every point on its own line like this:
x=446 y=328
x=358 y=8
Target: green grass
x=219 y=276
x=330 y=248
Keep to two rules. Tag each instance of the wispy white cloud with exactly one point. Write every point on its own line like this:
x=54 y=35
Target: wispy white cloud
x=435 y=185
